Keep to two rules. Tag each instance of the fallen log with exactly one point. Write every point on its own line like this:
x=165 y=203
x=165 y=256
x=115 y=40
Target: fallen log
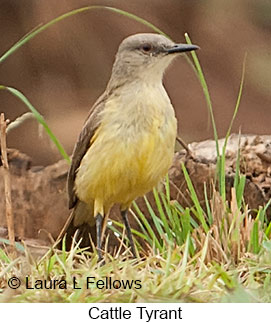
x=39 y=198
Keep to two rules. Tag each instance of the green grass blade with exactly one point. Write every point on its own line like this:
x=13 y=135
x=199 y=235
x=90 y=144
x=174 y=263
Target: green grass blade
x=157 y=222
x=167 y=187
x=177 y=226
x=18 y=245
x=39 y=118
x=134 y=232
x=38 y=30
x=145 y=234
x=185 y=224
x=167 y=208
x=240 y=190
x=205 y=91
x=240 y=92
x=162 y=213
x=267 y=206
x=181 y=210
x=200 y=212
x=222 y=181
x=208 y=209
x=4 y=257
x=187 y=229
x=268 y=229
x=134 y=17
x=148 y=227
x=237 y=166
x=254 y=245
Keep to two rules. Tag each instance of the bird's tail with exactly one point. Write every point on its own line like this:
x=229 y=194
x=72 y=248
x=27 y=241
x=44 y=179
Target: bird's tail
x=79 y=225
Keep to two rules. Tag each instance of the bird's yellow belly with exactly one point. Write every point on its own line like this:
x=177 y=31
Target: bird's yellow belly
x=119 y=167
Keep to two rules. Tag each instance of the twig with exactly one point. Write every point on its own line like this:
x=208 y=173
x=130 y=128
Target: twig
x=185 y=146
x=4 y=158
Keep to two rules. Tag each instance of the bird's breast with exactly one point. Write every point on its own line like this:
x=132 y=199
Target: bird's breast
x=130 y=152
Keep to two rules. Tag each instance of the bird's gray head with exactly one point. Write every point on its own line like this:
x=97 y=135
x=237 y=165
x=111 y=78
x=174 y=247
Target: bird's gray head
x=145 y=56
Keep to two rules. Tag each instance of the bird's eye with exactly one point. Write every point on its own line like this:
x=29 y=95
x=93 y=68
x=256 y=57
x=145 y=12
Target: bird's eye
x=146 y=48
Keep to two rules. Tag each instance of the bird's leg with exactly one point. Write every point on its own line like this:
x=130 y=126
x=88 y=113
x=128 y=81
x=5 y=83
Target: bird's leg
x=129 y=232
x=99 y=221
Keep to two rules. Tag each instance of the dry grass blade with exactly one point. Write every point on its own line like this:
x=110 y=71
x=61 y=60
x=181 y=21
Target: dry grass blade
x=7 y=184
x=21 y=119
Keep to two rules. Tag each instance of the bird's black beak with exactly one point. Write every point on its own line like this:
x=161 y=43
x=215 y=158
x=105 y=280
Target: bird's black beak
x=180 y=48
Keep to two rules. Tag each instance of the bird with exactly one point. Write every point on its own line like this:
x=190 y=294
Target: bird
x=127 y=142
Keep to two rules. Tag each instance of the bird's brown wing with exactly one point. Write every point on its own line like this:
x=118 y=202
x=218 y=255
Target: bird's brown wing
x=82 y=145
